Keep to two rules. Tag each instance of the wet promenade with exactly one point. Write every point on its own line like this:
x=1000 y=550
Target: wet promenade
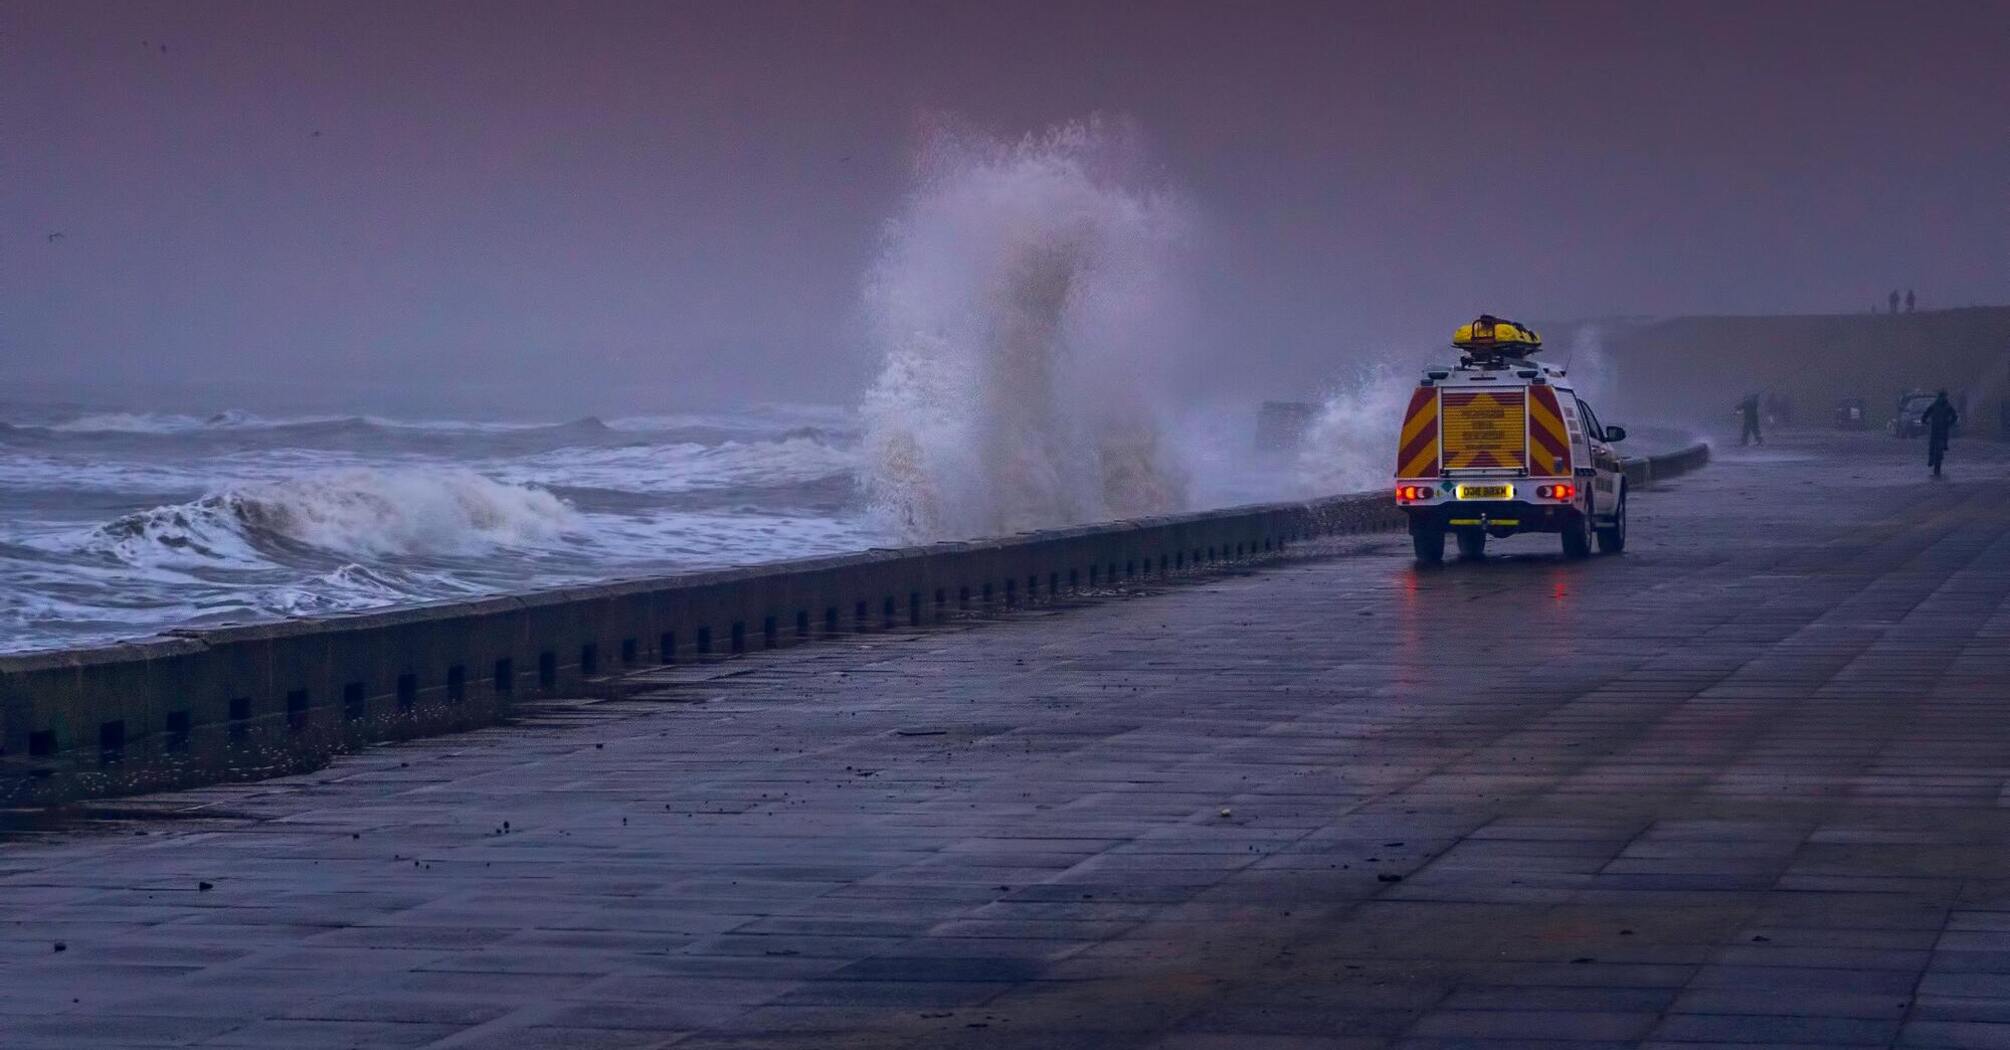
x=1744 y=785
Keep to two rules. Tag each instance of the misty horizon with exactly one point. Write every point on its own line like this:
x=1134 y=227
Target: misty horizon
x=679 y=206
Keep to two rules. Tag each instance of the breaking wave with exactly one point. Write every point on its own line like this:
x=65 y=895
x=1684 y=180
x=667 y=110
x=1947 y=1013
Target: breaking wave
x=353 y=513
x=155 y=422
x=1021 y=306
x=1351 y=444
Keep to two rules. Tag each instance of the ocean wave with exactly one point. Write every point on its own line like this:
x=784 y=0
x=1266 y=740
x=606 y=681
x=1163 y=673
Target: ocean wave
x=356 y=512
x=149 y=422
x=687 y=466
x=125 y=523
x=757 y=418
x=1023 y=308
x=240 y=420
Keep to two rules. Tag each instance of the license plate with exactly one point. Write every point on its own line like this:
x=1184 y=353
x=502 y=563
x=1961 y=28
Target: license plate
x=1485 y=491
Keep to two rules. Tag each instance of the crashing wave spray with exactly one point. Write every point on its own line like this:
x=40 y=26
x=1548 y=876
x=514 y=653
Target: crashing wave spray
x=1351 y=444
x=1021 y=307
x=1592 y=371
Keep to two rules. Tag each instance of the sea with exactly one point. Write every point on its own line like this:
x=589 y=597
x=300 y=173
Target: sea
x=1028 y=312
x=116 y=524
x=121 y=524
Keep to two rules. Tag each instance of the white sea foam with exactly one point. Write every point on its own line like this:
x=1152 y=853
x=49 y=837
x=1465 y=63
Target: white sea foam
x=1020 y=308
x=1351 y=444
x=352 y=512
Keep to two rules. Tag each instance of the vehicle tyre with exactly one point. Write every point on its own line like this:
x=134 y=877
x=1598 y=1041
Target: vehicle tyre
x=1612 y=538
x=1577 y=537
x=1430 y=544
x=1472 y=544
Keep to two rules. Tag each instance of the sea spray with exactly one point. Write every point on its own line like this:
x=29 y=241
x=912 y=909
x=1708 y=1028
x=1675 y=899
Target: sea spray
x=1351 y=444
x=1593 y=373
x=1021 y=310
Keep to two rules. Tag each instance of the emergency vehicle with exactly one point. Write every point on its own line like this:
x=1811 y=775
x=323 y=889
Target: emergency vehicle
x=1502 y=444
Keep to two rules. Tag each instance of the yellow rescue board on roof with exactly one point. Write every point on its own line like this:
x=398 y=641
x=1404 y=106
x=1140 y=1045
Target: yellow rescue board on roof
x=1493 y=333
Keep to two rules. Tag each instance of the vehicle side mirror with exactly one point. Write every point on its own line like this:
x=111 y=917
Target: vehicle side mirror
x=1615 y=433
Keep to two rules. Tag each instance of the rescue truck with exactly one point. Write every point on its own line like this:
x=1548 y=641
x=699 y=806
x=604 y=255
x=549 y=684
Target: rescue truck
x=1502 y=444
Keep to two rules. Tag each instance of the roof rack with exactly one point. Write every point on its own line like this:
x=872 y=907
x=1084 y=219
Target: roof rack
x=1489 y=339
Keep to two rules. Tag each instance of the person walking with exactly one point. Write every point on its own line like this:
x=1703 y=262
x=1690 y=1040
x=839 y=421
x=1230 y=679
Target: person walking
x=1939 y=419
x=1894 y=302
x=1749 y=409
x=1910 y=302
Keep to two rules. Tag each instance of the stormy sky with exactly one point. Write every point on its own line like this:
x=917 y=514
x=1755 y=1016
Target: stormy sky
x=578 y=205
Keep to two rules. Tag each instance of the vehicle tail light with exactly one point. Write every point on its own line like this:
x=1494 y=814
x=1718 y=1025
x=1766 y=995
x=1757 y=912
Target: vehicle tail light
x=1412 y=492
x=1556 y=491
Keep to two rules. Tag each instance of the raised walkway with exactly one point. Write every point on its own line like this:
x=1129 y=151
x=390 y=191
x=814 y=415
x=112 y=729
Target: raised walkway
x=1744 y=785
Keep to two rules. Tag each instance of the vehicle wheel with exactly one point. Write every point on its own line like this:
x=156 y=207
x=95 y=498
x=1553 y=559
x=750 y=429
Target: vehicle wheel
x=1430 y=544
x=1577 y=537
x=1612 y=538
x=1472 y=543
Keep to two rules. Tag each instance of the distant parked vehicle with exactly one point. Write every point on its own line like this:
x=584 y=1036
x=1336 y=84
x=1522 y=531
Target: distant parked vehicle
x=1907 y=422
x=1850 y=415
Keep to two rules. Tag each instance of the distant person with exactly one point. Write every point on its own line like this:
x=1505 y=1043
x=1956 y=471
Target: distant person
x=1894 y=302
x=1910 y=302
x=1774 y=414
x=1749 y=409
x=1939 y=419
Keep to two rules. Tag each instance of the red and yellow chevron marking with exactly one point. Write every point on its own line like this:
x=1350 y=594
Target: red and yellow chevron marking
x=1484 y=429
x=1417 y=452
x=1548 y=440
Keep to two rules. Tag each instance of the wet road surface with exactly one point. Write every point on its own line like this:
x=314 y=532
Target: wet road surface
x=1744 y=785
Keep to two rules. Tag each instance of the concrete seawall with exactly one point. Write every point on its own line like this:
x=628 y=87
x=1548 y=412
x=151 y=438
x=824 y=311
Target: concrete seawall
x=198 y=706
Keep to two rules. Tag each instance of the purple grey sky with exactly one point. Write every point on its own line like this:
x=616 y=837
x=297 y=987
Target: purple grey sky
x=675 y=202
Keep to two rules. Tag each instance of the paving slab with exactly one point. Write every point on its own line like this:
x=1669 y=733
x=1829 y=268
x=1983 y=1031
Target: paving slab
x=1744 y=785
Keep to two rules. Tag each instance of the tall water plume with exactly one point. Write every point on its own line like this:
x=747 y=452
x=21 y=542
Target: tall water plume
x=1022 y=306
x=1592 y=371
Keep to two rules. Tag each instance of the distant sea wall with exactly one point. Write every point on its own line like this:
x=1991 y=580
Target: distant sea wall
x=1700 y=367
x=197 y=706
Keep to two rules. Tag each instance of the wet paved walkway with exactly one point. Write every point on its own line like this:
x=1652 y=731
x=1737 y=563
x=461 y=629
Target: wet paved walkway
x=1743 y=786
